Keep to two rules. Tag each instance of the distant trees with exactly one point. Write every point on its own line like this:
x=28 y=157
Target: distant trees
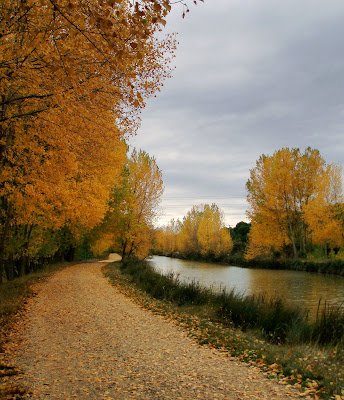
x=239 y=236
x=166 y=239
x=188 y=237
x=295 y=201
x=213 y=238
x=201 y=233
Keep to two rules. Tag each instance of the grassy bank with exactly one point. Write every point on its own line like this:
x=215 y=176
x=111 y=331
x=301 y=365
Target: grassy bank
x=14 y=296
x=259 y=330
x=332 y=266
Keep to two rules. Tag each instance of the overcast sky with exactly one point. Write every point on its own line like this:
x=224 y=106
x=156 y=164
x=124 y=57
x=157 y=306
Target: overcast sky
x=251 y=77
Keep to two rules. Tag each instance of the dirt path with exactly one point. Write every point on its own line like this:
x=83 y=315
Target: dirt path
x=84 y=340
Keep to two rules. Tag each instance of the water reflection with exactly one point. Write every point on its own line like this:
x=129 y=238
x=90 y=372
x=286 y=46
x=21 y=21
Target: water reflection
x=300 y=288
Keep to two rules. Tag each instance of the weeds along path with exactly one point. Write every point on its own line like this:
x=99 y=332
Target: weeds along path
x=85 y=340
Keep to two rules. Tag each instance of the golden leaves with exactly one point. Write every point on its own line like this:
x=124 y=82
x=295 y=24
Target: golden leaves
x=133 y=207
x=74 y=77
x=201 y=232
x=213 y=237
x=291 y=196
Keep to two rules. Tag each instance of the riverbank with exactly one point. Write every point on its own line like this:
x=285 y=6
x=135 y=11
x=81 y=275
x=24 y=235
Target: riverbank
x=333 y=267
x=316 y=366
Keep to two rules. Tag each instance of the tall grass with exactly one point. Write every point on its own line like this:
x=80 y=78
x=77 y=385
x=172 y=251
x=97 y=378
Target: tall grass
x=277 y=321
x=329 y=324
x=273 y=317
x=166 y=287
x=332 y=266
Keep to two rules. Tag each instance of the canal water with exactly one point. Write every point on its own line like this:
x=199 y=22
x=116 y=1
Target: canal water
x=303 y=289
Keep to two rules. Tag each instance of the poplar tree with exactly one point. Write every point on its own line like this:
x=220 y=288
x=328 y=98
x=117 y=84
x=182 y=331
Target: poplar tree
x=291 y=197
x=73 y=77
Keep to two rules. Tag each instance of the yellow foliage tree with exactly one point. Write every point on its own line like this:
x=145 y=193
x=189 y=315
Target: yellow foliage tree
x=201 y=233
x=134 y=206
x=103 y=244
x=280 y=191
x=213 y=238
x=73 y=77
x=159 y=242
x=323 y=213
x=187 y=238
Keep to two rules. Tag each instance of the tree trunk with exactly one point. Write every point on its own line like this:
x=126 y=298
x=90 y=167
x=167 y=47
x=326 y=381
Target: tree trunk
x=124 y=250
x=22 y=265
x=303 y=234
x=292 y=237
x=9 y=269
x=131 y=250
x=3 y=238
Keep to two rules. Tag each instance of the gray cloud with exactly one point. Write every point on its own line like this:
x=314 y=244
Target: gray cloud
x=251 y=77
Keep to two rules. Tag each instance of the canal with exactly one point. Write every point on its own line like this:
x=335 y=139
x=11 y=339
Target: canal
x=303 y=289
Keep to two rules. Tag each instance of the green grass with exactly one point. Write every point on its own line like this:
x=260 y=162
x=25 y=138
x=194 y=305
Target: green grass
x=256 y=329
x=327 y=266
x=329 y=324
x=270 y=315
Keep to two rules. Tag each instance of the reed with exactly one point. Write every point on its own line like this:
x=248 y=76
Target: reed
x=329 y=324
x=277 y=321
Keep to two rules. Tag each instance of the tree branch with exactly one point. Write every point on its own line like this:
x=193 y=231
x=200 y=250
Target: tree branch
x=25 y=114
x=32 y=96
x=78 y=29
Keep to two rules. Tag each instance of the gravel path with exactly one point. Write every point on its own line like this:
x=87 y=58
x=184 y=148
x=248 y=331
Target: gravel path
x=85 y=340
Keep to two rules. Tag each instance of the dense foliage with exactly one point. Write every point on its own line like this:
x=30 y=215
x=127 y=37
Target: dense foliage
x=73 y=77
x=202 y=233
x=295 y=203
x=128 y=224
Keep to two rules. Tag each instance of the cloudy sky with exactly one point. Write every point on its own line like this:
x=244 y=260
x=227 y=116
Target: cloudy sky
x=251 y=76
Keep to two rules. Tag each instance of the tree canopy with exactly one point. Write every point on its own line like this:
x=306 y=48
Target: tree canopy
x=73 y=77
x=128 y=224
x=294 y=199
x=202 y=233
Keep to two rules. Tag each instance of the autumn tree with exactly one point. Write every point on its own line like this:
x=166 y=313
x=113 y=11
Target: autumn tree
x=201 y=233
x=158 y=245
x=73 y=77
x=282 y=189
x=166 y=238
x=134 y=206
x=323 y=212
x=188 y=237
x=213 y=238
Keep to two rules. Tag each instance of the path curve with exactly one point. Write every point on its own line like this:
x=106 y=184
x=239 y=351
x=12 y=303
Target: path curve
x=85 y=340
